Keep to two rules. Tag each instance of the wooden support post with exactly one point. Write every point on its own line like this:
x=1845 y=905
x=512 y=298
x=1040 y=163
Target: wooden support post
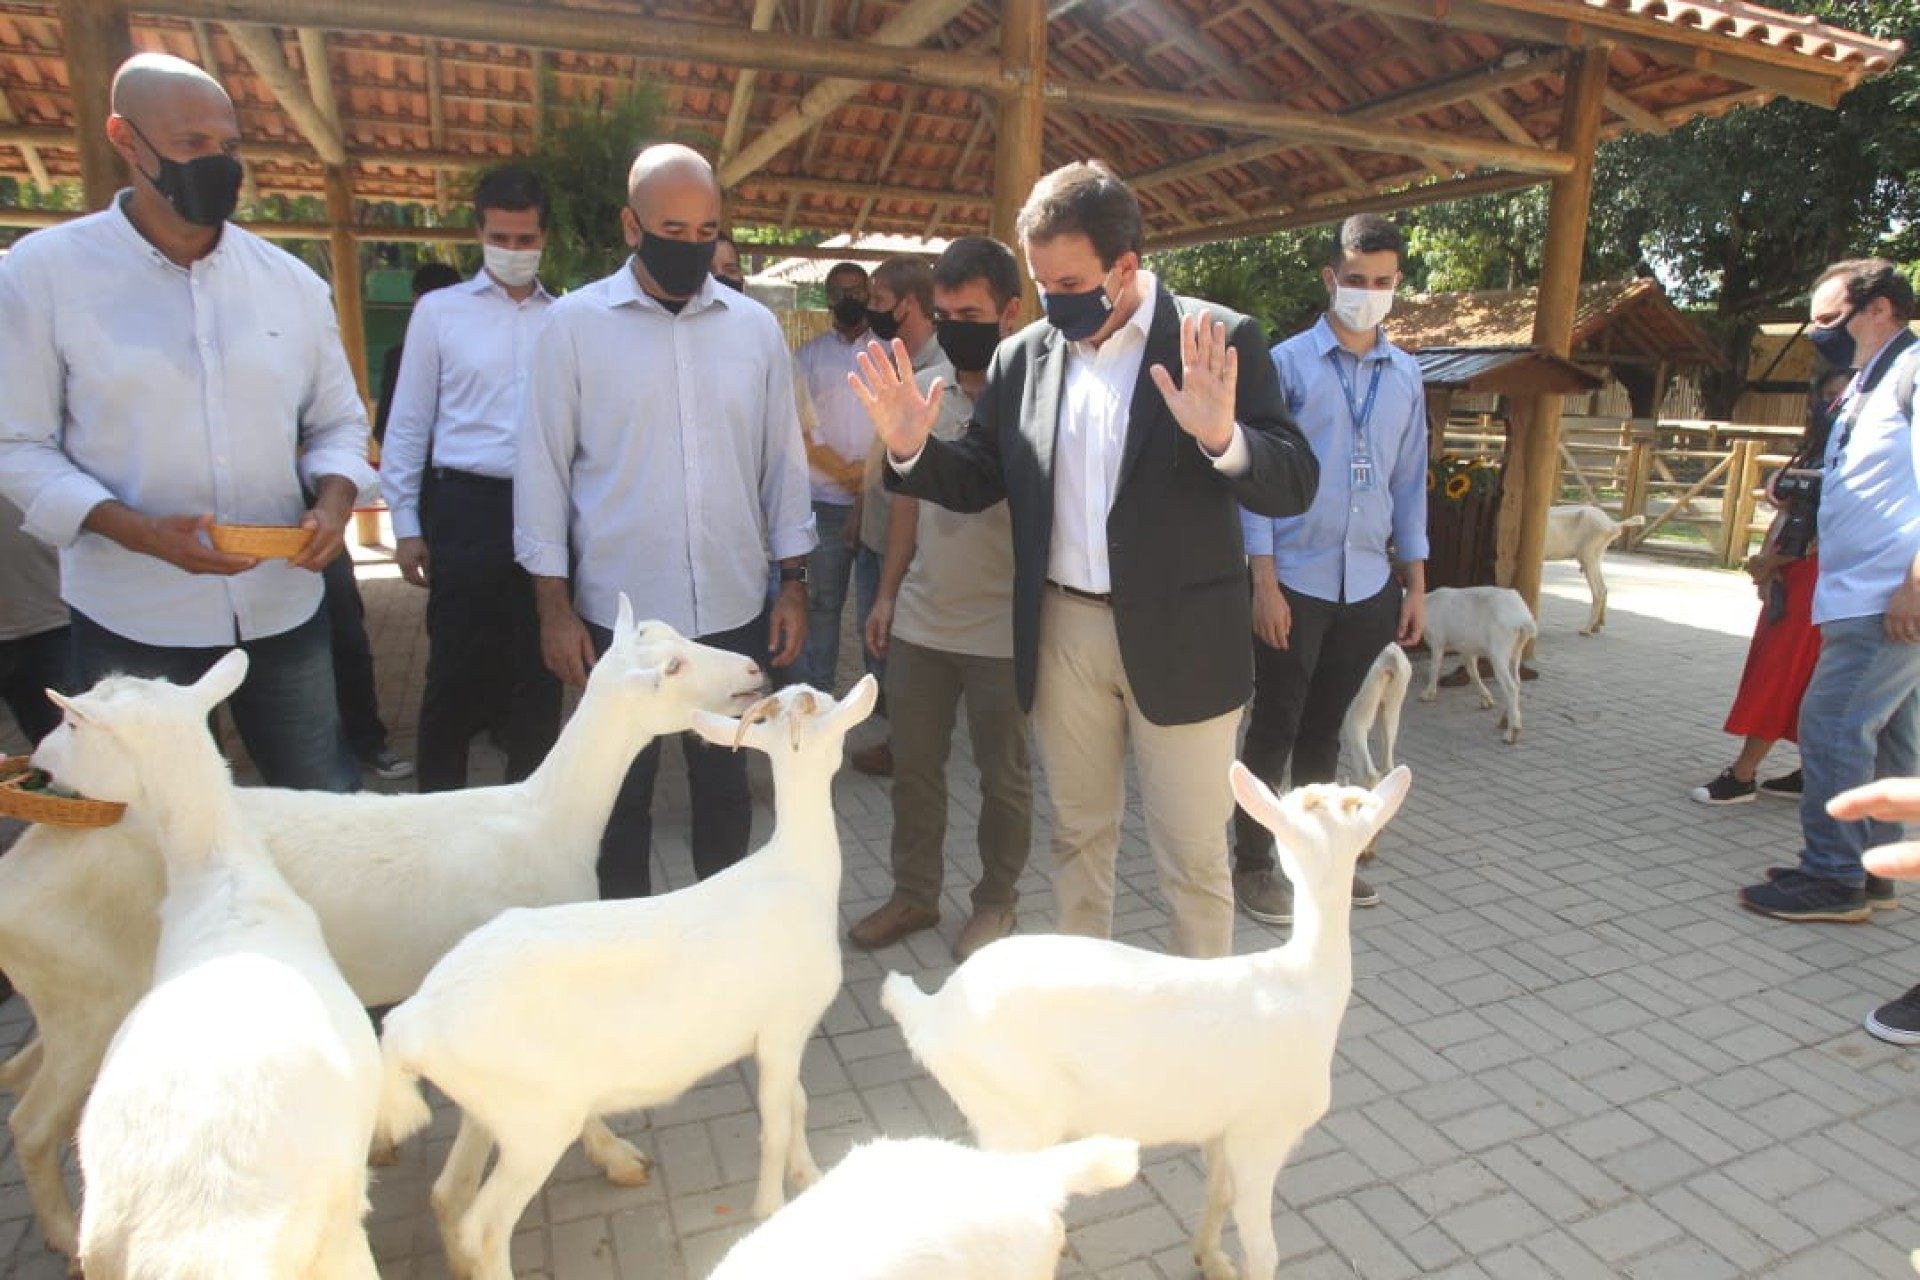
x=1586 y=83
x=1019 y=121
x=1639 y=481
x=98 y=39
x=345 y=251
x=1513 y=487
x=1736 y=508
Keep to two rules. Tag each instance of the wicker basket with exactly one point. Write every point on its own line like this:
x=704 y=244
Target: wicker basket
x=43 y=806
x=264 y=541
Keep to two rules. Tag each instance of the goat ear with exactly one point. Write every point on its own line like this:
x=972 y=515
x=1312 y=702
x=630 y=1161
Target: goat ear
x=623 y=623
x=1255 y=797
x=856 y=706
x=69 y=706
x=721 y=731
x=222 y=678
x=1390 y=793
x=650 y=677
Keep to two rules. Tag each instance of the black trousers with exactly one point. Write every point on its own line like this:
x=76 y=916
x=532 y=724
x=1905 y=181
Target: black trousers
x=716 y=781
x=483 y=635
x=29 y=666
x=1300 y=696
x=353 y=686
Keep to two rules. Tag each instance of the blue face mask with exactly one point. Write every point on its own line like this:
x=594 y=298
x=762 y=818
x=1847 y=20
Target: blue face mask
x=1834 y=343
x=1078 y=316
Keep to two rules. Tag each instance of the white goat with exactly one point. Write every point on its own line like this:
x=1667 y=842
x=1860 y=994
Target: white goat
x=396 y=881
x=1481 y=622
x=1041 y=1038
x=1584 y=533
x=924 y=1209
x=1381 y=696
x=228 y=1131
x=547 y=1018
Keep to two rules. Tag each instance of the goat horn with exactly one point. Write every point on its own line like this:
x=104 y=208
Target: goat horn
x=755 y=714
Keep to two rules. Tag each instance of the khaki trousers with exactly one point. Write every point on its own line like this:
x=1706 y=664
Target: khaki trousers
x=1083 y=715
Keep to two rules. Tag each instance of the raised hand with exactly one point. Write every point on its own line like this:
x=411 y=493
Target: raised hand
x=1889 y=800
x=1210 y=371
x=902 y=417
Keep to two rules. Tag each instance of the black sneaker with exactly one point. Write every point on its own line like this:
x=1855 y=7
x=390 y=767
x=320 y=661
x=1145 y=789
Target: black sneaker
x=1785 y=787
x=1897 y=1022
x=1725 y=789
x=1795 y=895
x=1882 y=894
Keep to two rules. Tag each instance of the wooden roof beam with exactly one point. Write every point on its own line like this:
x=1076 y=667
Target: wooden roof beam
x=1321 y=214
x=914 y=24
x=1305 y=126
x=740 y=102
x=262 y=50
x=29 y=153
x=1636 y=116
x=556 y=27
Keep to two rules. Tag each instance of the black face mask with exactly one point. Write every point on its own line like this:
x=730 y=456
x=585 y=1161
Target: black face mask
x=848 y=312
x=885 y=327
x=1078 y=316
x=203 y=190
x=968 y=343
x=1834 y=343
x=677 y=266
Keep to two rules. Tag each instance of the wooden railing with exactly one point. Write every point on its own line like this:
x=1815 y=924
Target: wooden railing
x=1697 y=483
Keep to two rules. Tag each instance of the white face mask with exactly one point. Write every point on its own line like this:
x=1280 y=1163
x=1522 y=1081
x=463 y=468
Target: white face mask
x=1361 y=310
x=514 y=268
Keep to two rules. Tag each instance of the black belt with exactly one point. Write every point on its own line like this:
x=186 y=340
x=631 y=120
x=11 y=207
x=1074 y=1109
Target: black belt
x=1097 y=597
x=472 y=477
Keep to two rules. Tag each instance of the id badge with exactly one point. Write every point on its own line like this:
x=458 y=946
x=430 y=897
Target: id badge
x=1360 y=473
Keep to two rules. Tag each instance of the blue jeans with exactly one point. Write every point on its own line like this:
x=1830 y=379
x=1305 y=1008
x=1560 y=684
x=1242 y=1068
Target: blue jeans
x=827 y=571
x=1859 y=721
x=285 y=709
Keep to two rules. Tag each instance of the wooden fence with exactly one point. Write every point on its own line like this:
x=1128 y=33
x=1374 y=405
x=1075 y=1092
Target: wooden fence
x=1697 y=483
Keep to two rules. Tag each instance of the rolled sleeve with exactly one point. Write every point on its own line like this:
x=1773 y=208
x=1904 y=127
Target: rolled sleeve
x=333 y=418
x=1409 y=489
x=786 y=502
x=1256 y=531
x=543 y=468
x=52 y=492
x=416 y=402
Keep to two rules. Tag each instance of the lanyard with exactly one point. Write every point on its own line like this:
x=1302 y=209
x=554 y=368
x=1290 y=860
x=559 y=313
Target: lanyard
x=1360 y=412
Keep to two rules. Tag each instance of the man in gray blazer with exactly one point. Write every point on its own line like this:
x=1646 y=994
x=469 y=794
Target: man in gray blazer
x=1124 y=480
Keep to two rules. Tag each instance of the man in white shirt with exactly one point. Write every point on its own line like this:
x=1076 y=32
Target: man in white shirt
x=1131 y=611
x=660 y=456
x=837 y=454
x=36 y=647
x=447 y=473
x=164 y=371
x=943 y=619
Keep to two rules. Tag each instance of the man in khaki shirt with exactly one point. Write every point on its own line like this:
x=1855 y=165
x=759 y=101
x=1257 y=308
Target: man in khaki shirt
x=943 y=618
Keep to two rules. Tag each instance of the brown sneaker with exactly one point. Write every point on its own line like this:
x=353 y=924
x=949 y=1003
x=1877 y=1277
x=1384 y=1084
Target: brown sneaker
x=876 y=760
x=987 y=924
x=890 y=923
x=1363 y=894
x=1264 y=894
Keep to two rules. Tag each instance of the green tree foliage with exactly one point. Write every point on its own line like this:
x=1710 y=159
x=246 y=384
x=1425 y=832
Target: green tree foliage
x=1275 y=279
x=583 y=159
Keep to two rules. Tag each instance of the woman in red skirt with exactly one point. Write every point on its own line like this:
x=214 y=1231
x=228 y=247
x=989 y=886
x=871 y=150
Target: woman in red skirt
x=1786 y=644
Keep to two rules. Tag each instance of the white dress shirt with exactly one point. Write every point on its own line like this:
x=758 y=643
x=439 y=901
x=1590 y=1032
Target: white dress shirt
x=212 y=389
x=463 y=378
x=1090 y=443
x=660 y=455
x=840 y=421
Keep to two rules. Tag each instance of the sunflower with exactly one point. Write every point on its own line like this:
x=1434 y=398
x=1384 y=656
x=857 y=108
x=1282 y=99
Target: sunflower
x=1458 y=487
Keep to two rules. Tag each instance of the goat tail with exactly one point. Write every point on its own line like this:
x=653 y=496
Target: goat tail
x=1092 y=1164
x=902 y=997
x=1631 y=522
x=403 y=1108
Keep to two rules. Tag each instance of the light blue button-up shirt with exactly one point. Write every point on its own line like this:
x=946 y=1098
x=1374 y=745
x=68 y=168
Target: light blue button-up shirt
x=660 y=455
x=1339 y=550
x=1870 y=499
x=218 y=388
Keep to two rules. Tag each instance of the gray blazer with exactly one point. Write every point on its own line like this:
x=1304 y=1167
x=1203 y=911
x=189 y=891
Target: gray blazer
x=1181 y=599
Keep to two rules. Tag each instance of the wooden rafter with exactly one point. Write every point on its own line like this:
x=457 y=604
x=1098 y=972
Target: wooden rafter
x=740 y=105
x=263 y=52
x=36 y=167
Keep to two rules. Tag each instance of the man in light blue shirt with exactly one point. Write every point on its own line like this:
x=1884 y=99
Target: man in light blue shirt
x=1335 y=586
x=1859 y=716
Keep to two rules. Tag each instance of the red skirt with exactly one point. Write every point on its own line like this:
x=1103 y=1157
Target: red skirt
x=1779 y=663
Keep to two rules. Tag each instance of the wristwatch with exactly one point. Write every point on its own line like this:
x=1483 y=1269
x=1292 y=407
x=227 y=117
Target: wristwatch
x=793 y=573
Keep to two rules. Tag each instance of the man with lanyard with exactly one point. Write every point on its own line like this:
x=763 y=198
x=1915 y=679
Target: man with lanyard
x=1859 y=719
x=1328 y=585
